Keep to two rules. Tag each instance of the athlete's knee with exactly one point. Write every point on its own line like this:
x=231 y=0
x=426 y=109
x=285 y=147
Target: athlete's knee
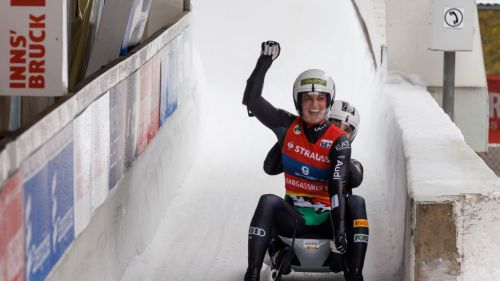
x=357 y=207
x=356 y=201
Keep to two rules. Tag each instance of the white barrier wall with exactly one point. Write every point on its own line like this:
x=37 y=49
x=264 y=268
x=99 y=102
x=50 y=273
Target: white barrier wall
x=453 y=197
x=83 y=189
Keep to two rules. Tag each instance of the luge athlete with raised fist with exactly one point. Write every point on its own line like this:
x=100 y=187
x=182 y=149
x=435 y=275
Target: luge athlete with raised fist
x=315 y=155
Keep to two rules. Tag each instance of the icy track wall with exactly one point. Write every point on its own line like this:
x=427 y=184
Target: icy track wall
x=83 y=189
x=372 y=15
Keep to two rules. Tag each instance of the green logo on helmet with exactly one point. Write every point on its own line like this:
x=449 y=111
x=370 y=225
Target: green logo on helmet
x=311 y=81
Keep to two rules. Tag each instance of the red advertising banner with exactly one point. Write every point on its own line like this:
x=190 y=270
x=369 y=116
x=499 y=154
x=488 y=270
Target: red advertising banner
x=494 y=94
x=149 y=108
x=144 y=107
x=154 y=119
x=12 y=230
x=33 y=49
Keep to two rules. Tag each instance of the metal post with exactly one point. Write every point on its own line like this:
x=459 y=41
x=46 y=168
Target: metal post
x=449 y=84
x=187 y=5
x=15 y=113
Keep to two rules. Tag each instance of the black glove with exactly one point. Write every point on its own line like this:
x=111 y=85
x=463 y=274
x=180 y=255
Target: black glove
x=339 y=244
x=270 y=48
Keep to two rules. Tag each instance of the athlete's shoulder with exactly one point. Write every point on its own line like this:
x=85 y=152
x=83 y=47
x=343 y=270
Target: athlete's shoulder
x=290 y=115
x=286 y=117
x=335 y=132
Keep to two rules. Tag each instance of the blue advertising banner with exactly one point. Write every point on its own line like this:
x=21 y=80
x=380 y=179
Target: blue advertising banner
x=38 y=227
x=48 y=201
x=168 y=84
x=60 y=170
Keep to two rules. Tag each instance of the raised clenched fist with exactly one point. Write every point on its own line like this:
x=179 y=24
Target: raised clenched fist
x=270 y=48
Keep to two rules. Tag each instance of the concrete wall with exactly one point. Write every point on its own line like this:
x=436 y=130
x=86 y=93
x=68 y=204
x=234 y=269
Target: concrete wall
x=408 y=39
x=83 y=189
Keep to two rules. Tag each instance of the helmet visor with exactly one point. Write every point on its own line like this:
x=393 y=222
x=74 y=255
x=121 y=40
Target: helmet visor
x=314 y=94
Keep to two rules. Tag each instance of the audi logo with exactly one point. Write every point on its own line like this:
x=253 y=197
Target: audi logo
x=257 y=231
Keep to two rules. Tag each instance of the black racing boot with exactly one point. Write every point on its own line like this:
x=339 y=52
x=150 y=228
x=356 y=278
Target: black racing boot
x=357 y=277
x=281 y=261
x=354 y=276
x=252 y=274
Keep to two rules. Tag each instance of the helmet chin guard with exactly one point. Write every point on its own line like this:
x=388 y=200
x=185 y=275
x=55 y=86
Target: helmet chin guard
x=313 y=80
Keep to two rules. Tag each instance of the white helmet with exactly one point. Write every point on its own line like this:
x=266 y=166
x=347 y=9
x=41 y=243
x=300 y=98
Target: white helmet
x=347 y=114
x=313 y=80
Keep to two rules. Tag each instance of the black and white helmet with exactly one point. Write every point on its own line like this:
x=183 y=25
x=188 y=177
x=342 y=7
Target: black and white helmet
x=345 y=114
x=313 y=80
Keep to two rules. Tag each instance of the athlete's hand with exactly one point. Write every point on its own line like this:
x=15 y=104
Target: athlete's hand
x=270 y=48
x=339 y=244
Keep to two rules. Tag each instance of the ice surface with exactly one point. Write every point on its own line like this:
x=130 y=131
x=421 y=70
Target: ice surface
x=203 y=235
